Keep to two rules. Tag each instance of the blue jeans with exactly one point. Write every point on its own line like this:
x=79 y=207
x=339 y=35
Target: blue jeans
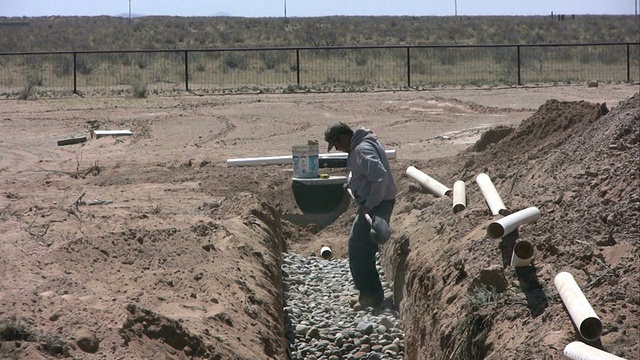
x=362 y=252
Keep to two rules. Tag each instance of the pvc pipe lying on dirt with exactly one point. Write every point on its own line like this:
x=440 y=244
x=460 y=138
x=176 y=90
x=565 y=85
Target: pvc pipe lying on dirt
x=288 y=159
x=428 y=182
x=507 y=224
x=522 y=254
x=491 y=195
x=581 y=312
x=459 y=196
x=325 y=252
x=580 y=351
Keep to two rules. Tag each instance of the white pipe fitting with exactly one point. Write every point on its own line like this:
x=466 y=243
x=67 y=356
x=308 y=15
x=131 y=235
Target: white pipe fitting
x=491 y=195
x=325 y=252
x=522 y=254
x=431 y=184
x=581 y=351
x=459 y=196
x=507 y=224
x=581 y=312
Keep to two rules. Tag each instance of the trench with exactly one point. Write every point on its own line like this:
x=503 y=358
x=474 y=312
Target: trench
x=322 y=318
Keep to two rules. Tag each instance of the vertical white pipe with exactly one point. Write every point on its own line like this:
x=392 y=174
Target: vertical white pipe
x=522 y=254
x=491 y=196
x=580 y=351
x=428 y=182
x=459 y=196
x=507 y=224
x=581 y=312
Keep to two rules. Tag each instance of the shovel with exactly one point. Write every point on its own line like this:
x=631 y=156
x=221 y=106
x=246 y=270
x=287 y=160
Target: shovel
x=380 y=230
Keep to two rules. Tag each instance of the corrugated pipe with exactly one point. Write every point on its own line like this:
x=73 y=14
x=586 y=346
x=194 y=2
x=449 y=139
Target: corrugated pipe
x=459 y=196
x=491 y=195
x=581 y=312
x=581 y=351
x=507 y=224
x=428 y=182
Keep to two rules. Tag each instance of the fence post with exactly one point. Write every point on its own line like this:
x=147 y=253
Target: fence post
x=298 y=66
x=408 y=66
x=186 y=69
x=519 y=74
x=75 y=72
x=628 y=63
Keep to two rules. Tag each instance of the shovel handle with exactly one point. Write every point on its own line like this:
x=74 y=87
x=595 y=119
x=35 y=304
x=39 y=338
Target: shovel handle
x=368 y=217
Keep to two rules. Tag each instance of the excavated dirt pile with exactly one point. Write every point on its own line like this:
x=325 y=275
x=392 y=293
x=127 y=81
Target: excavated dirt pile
x=576 y=162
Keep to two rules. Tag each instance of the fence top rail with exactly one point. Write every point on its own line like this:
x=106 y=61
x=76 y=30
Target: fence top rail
x=350 y=47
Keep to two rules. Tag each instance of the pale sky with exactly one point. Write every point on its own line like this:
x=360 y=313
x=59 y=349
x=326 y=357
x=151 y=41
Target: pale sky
x=308 y=8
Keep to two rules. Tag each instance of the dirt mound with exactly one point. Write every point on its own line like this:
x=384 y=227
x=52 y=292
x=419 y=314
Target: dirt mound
x=580 y=168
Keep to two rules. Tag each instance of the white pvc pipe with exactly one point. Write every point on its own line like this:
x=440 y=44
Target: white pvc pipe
x=288 y=159
x=580 y=351
x=428 y=182
x=581 y=312
x=522 y=254
x=491 y=195
x=459 y=196
x=325 y=252
x=507 y=224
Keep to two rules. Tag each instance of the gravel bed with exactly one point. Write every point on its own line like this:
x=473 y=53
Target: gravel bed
x=323 y=320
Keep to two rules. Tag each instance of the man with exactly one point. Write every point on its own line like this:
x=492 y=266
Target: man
x=374 y=190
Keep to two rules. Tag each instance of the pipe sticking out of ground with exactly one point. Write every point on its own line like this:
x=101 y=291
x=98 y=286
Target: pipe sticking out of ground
x=491 y=196
x=581 y=351
x=582 y=314
x=507 y=224
x=431 y=184
x=459 y=196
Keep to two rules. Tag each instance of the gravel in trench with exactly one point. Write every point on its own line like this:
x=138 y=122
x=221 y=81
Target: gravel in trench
x=323 y=320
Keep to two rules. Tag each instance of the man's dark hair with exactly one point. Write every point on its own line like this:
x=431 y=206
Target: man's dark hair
x=334 y=131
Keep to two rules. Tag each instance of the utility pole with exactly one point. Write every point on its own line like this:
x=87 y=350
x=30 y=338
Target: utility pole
x=285 y=9
x=456 y=6
x=129 y=9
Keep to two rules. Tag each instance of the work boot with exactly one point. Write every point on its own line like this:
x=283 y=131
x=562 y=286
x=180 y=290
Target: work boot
x=372 y=301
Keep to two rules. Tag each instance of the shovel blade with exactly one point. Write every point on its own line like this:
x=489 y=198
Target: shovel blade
x=380 y=230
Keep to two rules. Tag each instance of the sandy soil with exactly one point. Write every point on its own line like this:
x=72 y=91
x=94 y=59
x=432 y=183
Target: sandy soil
x=134 y=247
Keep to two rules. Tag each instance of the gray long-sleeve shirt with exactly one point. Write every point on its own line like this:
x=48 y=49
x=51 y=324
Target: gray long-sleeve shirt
x=371 y=178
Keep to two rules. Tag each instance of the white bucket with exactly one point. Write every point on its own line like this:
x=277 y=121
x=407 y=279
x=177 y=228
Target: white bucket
x=305 y=161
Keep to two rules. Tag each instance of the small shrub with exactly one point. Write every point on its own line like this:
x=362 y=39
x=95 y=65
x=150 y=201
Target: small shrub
x=14 y=330
x=361 y=58
x=235 y=61
x=83 y=66
x=139 y=89
x=272 y=59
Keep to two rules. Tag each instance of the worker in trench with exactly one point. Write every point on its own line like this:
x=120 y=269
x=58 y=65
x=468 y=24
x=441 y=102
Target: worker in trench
x=374 y=190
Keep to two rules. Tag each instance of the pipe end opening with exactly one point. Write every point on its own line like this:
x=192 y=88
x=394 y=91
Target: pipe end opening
x=504 y=212
x=591 y=328
x=458 y=207
x=495 y=230
x=523 y=250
